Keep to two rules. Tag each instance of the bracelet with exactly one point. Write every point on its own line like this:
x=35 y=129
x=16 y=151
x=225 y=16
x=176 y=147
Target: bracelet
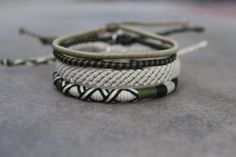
x=137 y=64
x=97 y=77
x=113 y=95
x=101 y=46
x=60 y=45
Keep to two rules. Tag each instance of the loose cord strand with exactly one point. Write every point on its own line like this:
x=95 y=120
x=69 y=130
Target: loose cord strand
x=49 y=59
x=45 y=40
x=193 y=48
x=156 y=24
x=195 y=29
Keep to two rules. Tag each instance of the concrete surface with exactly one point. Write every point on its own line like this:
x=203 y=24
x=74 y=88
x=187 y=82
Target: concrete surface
x=198 y=120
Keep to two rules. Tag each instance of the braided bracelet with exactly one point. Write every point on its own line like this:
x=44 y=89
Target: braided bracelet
x=133 y=64
x=119 y=78
x=112 y=72
x=113 y=95
x=113 y=65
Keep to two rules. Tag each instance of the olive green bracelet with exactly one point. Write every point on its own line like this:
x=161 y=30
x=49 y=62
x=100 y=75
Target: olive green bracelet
x=60 y=45
x=122 y=39
x=134 y=64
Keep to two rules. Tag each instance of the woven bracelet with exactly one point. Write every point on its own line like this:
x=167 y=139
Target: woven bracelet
x=113 y=95
x=113 y=65
x=120 y=78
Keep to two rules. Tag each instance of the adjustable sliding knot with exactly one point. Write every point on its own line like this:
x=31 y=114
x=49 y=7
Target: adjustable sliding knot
x=112 y=27
x=45 y=40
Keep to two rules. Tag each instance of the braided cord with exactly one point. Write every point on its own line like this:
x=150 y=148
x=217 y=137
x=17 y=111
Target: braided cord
x=28 y=62
x=95 y=77
x=182 y=27
x=113 y=95
x=113 y=65
x=156 y=24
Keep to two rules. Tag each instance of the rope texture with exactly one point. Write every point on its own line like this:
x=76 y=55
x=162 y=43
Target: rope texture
x=110 y=78
x=131 y=64
x=28 y=62
x=113 y=95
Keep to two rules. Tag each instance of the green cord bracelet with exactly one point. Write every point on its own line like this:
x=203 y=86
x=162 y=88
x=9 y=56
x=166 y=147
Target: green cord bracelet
x=113 y=65
x=58 y=45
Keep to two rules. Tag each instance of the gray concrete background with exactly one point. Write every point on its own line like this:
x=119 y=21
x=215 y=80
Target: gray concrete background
x=199 y=119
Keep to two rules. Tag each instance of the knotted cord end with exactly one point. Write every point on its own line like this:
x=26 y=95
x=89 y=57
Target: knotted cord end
x=43 y=39
x=6 y=62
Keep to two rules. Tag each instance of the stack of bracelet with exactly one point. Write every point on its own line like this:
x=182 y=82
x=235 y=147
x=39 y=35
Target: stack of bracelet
x=116 y=63
x=93 y=73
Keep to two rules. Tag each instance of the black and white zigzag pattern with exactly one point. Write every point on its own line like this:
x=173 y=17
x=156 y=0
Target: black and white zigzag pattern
x=32 y=61
x=95 y=94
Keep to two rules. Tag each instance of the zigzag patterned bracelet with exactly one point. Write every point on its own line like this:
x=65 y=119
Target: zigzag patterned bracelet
x=113 y=95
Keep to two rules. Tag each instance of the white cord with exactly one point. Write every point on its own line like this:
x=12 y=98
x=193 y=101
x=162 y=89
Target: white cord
x=193 y=48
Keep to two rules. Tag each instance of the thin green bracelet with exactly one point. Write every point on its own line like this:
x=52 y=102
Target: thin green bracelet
x=139 y=64
x=59 y=44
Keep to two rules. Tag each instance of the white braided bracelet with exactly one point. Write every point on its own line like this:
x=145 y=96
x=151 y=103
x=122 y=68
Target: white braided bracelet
x=97 y=77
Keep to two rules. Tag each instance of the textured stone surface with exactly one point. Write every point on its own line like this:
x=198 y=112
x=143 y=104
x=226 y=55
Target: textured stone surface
x=199 y=119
